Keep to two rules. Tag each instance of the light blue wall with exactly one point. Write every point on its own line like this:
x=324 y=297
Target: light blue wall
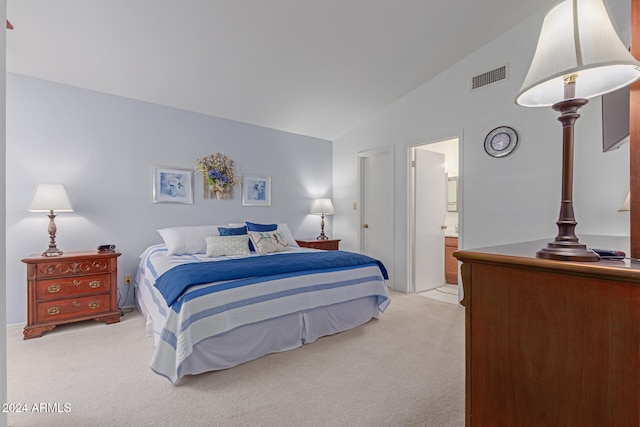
x=103 y=149
x=516 y=198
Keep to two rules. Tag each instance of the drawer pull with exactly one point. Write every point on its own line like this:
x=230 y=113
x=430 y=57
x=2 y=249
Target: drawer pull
x=76 y=282
x=94 y=305
x=54 y=288
x=94 y=284
x=53 y=310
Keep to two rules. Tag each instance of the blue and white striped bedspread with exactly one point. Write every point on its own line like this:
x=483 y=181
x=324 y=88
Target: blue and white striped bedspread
x=174 y=282
x=211 y=309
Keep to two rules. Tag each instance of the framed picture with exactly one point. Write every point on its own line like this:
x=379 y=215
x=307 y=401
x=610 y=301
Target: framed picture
x=172 y=185
x=256 y=190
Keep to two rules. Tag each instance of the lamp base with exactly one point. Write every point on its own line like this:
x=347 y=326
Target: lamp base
x=567 y=251
x=52 y=251
x=322 y=236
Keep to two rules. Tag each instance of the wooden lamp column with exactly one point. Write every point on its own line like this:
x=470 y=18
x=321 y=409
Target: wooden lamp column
x=566 y=246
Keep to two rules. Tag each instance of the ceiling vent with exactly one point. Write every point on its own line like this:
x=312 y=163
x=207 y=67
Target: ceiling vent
x=490 y=77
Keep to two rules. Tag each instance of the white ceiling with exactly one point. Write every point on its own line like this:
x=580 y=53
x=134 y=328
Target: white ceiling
x=312 y=67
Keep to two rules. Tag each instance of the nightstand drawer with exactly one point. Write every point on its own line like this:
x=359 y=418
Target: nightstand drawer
x=72 y=286
x=61 y=268
x=327 y=244
x=55 y=311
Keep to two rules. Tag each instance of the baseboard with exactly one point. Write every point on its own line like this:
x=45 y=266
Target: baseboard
x=17 y=325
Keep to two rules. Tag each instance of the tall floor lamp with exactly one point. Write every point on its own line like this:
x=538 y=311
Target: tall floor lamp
x=51 y=198
x=579 y=56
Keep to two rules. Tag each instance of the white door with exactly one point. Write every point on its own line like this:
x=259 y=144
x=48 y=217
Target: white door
x=376 y=180
x=430 y=213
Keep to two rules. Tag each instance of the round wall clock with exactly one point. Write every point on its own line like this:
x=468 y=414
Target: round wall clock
x=501 y=141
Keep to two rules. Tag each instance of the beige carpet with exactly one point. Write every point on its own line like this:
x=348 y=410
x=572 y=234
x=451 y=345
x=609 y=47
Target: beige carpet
x=405 y=369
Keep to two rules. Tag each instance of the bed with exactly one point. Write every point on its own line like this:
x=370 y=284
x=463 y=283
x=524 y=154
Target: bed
x=210 y=308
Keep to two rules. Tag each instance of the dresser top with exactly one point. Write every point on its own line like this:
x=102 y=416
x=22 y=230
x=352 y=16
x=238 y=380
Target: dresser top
x=523 y=255
x=529 y=249
x=69 y=256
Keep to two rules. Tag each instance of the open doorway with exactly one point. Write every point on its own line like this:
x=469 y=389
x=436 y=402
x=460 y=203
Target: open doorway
x=434 y=209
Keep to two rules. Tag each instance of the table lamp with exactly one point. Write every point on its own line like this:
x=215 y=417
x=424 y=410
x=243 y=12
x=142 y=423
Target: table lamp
x=579 y=56
x=322 y=207
x=50 y=198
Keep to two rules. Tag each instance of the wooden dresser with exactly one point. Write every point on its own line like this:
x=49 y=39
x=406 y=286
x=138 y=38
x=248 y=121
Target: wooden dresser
x=327 y=245
x=69 y=288
x=551 y=343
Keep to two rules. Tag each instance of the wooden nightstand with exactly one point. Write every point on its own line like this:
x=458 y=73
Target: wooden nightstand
x=327 y=245
x=69 y=288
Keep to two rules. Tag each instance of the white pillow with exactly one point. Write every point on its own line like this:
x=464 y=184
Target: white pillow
x=227 y=245
x=188 y=240
x=266 y=242
x=284 y=228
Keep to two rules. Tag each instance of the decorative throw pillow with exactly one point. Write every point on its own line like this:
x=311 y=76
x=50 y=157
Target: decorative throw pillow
x=236 y=231
x=252 y=226
x=232 y=231
x=266 y=242
x=227 y=245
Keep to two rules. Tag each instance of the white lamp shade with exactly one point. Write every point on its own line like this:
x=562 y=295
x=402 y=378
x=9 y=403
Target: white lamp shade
x=322 y=206
x=50 y=197
x=577 y=36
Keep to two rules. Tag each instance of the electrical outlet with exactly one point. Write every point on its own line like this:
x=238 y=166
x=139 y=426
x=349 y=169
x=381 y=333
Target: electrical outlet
x=128 y=279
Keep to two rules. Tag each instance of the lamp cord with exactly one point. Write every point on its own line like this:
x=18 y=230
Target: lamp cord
x=128 y=310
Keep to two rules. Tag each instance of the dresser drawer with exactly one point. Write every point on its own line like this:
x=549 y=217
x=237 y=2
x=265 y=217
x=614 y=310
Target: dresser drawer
x=72 y=286
x=73 y=268
x=60 y=310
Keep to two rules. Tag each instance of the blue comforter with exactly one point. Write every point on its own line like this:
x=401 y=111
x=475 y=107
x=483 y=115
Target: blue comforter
x=173 y=283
